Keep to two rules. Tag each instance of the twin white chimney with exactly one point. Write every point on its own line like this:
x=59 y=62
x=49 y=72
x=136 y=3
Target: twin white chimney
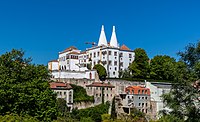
x=103 y=41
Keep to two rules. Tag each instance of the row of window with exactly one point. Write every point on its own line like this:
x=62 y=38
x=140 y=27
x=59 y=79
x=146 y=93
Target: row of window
x=103 y=95
x=143 y=110
x=142 y=104
x=68 y=57
x=64 y=93
x=100 y=88
x=129 y=97
x=139 y=91
x=109 y=53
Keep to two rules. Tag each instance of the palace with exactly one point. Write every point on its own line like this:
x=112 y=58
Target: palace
x=111 y=55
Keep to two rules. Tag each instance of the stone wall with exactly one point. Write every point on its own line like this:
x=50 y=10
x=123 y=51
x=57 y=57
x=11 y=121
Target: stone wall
x=83 y=105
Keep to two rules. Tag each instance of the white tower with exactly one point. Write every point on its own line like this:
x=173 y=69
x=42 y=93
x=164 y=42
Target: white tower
x=113 y=40
x=102 y=38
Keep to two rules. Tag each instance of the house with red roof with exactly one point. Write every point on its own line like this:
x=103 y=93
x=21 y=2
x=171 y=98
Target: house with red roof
x=64 y=91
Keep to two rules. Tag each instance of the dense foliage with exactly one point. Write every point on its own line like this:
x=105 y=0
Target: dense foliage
x=113 y=115
x=162 y=67
x=101 y=71
x=24 y=87
x=184 y=97
x=80 y=94
x=93 y=112
x=140 y=66
x=17 y=118
x=62 y=107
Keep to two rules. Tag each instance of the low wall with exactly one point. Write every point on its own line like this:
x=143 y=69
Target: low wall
x=83 y=105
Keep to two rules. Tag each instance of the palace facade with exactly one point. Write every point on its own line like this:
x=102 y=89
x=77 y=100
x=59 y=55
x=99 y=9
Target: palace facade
x=111 y=55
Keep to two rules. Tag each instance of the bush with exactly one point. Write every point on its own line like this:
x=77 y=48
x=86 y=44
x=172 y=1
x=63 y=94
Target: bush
x=93 y=112
x=80 y=94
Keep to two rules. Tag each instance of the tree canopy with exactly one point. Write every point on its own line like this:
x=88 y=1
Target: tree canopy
x=183 y=99
x=162 y=67
x=24 y=87
x=140 y=66
x=101 y=71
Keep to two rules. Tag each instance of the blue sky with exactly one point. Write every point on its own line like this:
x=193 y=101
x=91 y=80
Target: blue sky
x=42 y=28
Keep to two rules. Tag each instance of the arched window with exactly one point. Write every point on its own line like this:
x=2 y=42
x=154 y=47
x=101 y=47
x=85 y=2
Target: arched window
x=90 y=75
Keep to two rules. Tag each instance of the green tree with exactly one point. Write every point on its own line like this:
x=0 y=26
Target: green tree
x=113 y=110
x=101 y=71
x=24 y=87
x=170 y=118
x=62 y=107
x=181 y=72
x=17 y=118
x=92 y=112
x=140 y=66
x=80 y=94
x=191 y=54
x=184 y=101
x=162 y=68
x=183 y=98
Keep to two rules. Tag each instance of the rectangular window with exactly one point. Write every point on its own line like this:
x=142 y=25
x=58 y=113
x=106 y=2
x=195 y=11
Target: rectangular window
x=109 y=52
x=94 y=54
x=115 y=53
x=130 y=56
x=121 y=55
x=110 y=63
x=115 y=63
x=97 y=53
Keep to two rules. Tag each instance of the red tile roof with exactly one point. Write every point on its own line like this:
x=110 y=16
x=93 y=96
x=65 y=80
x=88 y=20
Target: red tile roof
x=73 y=53
x=137 y=90
x=100 y=84
x=124 y=47
x=53 y=61
x=69 y=49
x=60 y=85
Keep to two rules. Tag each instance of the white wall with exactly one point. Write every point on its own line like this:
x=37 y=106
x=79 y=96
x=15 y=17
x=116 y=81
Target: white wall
x=75 y=75
x=156 y=94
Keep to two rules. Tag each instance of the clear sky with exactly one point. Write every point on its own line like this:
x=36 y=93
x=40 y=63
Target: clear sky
x=42 y=28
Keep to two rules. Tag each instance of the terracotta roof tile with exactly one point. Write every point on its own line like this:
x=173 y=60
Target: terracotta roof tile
x=53 y=61
x=73 y=53
x=60 y=85
x=69 y=49
x=124 y=47
x=137 y=90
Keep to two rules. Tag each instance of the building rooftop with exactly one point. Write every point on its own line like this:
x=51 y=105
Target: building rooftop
x=100 y=84
x=73 y=53
x=60 y=85
x=53 y=61
x=124 y=47
x=69 y=49
x=137 y=90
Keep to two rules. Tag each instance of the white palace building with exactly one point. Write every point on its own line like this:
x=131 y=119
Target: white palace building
x=72 y=63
